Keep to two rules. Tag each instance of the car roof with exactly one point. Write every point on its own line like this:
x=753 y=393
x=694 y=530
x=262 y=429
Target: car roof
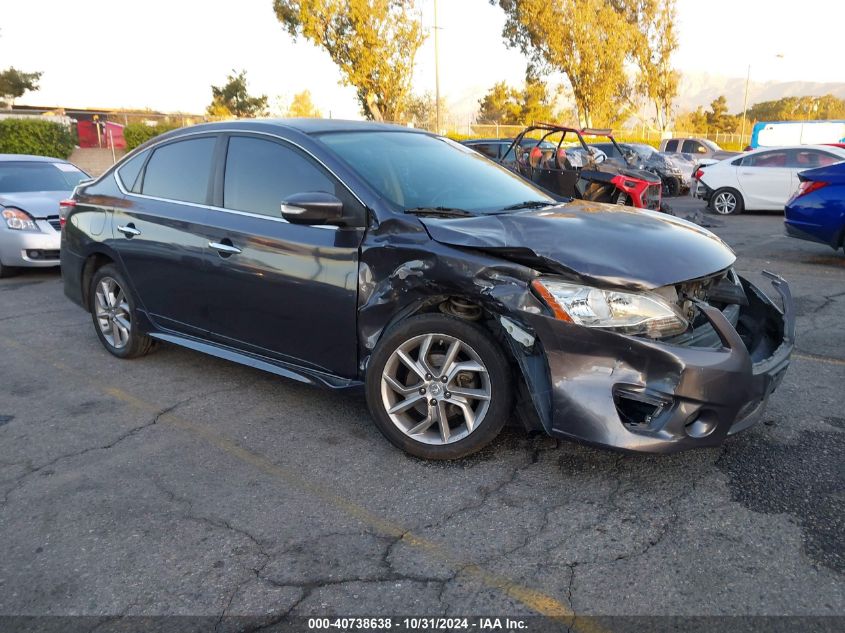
x=29 y=158
x=823 y=148
x=487 y=140
x=306 y=126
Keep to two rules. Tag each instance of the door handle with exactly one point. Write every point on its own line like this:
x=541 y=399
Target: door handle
x=128 y=230
x=228 y=249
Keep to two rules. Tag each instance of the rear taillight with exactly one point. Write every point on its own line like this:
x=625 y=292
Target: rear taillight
x=809 y=186
x=698 y=174
x=65 y=207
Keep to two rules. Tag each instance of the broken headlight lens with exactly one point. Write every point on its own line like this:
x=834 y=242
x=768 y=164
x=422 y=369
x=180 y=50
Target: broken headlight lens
x=638 y=313
x=18 y=220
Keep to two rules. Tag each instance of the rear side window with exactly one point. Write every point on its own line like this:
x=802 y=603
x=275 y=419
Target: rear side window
x=488 y=149
x=809 y=158
x=128 y=172
x=672 y=146
x=180 y=171
x=766 y=159
x=694 y=147
x=261 y=174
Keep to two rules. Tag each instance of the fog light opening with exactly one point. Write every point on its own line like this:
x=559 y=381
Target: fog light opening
x=701 y=425
x=637 y=410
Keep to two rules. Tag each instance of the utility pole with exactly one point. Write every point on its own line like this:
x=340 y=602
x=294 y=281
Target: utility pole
x=745 y=105
x=436 y=75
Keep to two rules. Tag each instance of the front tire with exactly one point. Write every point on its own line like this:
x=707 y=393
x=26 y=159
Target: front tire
x=727 y=201
x=439 y=387
x=113 y=309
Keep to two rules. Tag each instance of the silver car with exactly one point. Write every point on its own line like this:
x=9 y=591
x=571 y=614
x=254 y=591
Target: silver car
x=31 y=188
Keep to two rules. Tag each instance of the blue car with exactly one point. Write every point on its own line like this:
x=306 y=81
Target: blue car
x=817 y=210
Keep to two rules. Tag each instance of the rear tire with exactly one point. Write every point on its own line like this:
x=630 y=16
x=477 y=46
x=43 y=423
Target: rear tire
x=113 y=309
x=727 y=201
x=432 y=368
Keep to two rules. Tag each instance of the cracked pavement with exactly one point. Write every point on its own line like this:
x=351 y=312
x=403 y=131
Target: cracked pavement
x=180 y=484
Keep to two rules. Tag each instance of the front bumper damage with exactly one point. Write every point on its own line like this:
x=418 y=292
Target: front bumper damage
x=646 y=395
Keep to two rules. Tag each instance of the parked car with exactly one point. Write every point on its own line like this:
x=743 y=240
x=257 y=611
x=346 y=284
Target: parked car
x=500 y=149
x=816 y=211
x=697 y=147
x=458 y=295
x=675 y=179
x=30 y=190
x=570 y=168
x=761 y=179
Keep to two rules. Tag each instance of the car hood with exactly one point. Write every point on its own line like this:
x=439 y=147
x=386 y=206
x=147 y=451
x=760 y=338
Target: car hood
x=602 y=244
x=39 y=204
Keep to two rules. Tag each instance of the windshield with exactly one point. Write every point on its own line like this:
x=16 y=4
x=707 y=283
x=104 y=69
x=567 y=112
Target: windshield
x=711 y=145
x=19 y=177
x=643 y=151
x=414 y=171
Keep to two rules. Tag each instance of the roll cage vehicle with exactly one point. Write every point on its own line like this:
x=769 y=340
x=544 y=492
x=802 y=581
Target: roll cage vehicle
x=576 y=171
x=458 y=296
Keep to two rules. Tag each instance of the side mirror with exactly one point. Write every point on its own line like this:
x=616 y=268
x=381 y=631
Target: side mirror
x=312 y=207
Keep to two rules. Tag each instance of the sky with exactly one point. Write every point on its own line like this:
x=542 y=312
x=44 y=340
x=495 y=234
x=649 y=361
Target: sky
x=164 y=55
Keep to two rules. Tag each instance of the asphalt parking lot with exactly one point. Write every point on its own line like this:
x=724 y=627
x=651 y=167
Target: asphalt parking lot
x=182 y=484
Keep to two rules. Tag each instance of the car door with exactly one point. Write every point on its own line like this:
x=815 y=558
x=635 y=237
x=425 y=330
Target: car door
x=157 y=232
x=278 y=289
x=765 y=179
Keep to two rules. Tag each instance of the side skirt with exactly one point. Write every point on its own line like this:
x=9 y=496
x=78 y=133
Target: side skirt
x=286 y=370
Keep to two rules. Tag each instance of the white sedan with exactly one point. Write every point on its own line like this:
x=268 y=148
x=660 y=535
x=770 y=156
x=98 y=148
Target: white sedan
x=762 y=179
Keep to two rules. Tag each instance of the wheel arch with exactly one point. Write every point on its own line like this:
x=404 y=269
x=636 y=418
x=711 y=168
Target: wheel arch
x=529 y=367
x=93 y=262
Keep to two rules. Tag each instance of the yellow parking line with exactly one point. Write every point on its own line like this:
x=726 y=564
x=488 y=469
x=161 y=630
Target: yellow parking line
x=819 y=359
x=539 y=602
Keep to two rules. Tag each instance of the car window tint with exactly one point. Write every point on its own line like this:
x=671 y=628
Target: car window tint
x=766 y=159
x=809 y=158
x=488 y=149
x=180 y=170
x=693 y=147
x=128 y=172
x=261 y=174
x=672 y=146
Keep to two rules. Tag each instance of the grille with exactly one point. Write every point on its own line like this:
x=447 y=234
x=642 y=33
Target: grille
x=54 y=222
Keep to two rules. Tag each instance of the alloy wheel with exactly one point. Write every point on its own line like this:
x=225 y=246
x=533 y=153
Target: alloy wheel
x=113 y=313
x=436 y=389
x=724 y=203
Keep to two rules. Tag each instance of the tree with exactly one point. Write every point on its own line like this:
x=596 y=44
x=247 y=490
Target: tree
x=587 y=40
x=421 y=110
x=798 y=108
x=15 y=83
x=373 y=43
x=507 y=106
x=695 y=121
x=302 y=106
x=500 y=105
x=718 y=117
x=537 y=105
x=654 y=41
x=232 y=99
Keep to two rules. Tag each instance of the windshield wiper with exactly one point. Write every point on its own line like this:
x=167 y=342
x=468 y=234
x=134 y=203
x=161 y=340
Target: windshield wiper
x=447 y=212
x=529 y=204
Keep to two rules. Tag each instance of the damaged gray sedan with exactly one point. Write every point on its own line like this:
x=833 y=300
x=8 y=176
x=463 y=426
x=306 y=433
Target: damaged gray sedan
x=458 y=295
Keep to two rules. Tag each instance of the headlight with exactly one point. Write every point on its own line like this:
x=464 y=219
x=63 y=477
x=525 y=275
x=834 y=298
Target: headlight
x=623 y=312
x=18 y=220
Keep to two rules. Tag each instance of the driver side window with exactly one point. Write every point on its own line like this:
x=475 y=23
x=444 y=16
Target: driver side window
x=261 y=173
